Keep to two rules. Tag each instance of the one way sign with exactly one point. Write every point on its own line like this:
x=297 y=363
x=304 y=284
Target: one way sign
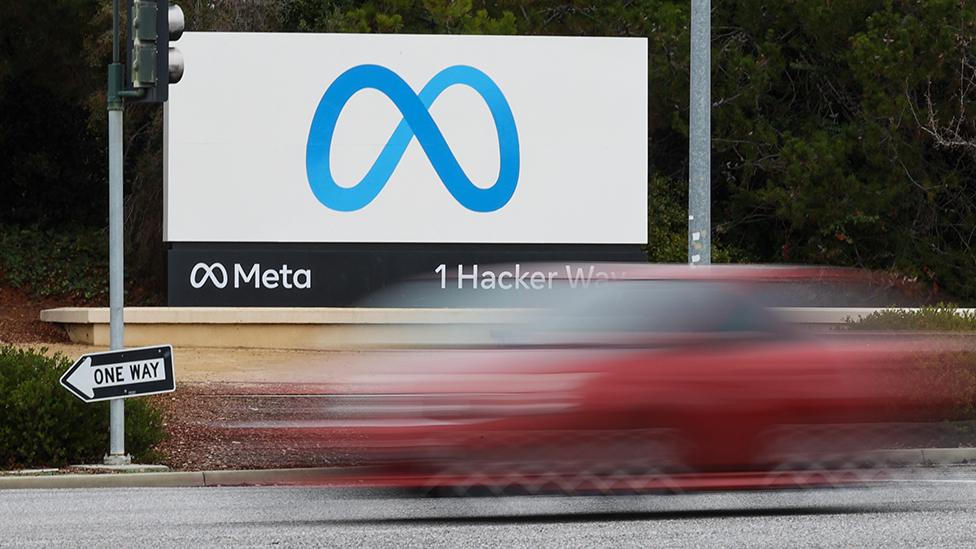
x=121 y=374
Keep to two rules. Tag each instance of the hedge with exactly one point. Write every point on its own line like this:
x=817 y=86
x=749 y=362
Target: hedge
x=939 y=318
x=43 y=425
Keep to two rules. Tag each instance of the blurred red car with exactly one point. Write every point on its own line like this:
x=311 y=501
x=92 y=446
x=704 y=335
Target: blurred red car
x=669 y=378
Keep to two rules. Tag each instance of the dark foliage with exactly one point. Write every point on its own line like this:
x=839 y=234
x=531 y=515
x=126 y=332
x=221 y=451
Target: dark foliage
x=42 y=425
x=843 y=132
x=47 y=262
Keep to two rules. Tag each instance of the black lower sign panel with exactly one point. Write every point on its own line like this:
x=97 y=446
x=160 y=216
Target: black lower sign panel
x=121 y=374
x=340 y=275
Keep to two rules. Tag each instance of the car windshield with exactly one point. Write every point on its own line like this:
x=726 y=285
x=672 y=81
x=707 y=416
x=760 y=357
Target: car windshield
x=608 y=312
x=663 y=307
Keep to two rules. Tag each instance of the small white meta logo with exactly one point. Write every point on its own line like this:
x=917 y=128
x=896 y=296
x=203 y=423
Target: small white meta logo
x=282 y=277
x=210 y=273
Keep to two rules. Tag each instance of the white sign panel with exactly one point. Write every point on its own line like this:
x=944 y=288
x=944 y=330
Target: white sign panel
x=396 y=138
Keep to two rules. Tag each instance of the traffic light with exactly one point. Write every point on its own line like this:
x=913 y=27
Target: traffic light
x=153 y=63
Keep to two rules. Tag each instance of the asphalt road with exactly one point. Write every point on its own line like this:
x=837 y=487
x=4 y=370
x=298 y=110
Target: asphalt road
x=931 y=508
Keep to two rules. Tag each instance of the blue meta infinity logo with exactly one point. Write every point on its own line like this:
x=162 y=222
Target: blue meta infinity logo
x=416 y=122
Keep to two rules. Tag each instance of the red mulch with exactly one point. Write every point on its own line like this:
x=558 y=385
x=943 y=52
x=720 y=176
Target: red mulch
x=227 y=426
x=20 y=318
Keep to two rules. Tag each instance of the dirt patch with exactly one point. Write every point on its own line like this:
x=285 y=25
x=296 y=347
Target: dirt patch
x=20 y=318
x=231 y=426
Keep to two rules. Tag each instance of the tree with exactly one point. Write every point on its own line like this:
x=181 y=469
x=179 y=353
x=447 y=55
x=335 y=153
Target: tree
x=838 y=135
x=843 y=132
x=50 y=166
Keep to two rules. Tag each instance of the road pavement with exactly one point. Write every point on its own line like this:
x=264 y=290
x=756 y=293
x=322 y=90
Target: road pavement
x=925 y=508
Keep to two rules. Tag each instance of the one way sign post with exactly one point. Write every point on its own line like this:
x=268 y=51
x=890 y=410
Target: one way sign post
x=121 y=374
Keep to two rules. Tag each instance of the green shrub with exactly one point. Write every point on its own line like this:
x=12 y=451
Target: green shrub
x=42 y=424
x=68 y=262
x=941 y=317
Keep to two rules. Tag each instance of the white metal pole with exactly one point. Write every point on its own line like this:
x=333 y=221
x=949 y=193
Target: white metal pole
x=700 y=129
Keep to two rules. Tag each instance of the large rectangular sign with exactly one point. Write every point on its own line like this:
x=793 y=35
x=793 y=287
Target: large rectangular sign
x=407 y=139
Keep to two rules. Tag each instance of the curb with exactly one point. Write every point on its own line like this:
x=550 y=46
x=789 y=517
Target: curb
x=119 y=480
x=187 y=479
x=275 y=477
x=928 y=456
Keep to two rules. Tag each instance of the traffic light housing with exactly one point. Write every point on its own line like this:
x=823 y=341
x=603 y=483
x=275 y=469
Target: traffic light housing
x=153 y=63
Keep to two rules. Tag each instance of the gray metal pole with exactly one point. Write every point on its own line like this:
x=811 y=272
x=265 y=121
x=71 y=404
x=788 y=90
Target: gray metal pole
x=116 y=407
x=700 y=141
x=116 y=455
